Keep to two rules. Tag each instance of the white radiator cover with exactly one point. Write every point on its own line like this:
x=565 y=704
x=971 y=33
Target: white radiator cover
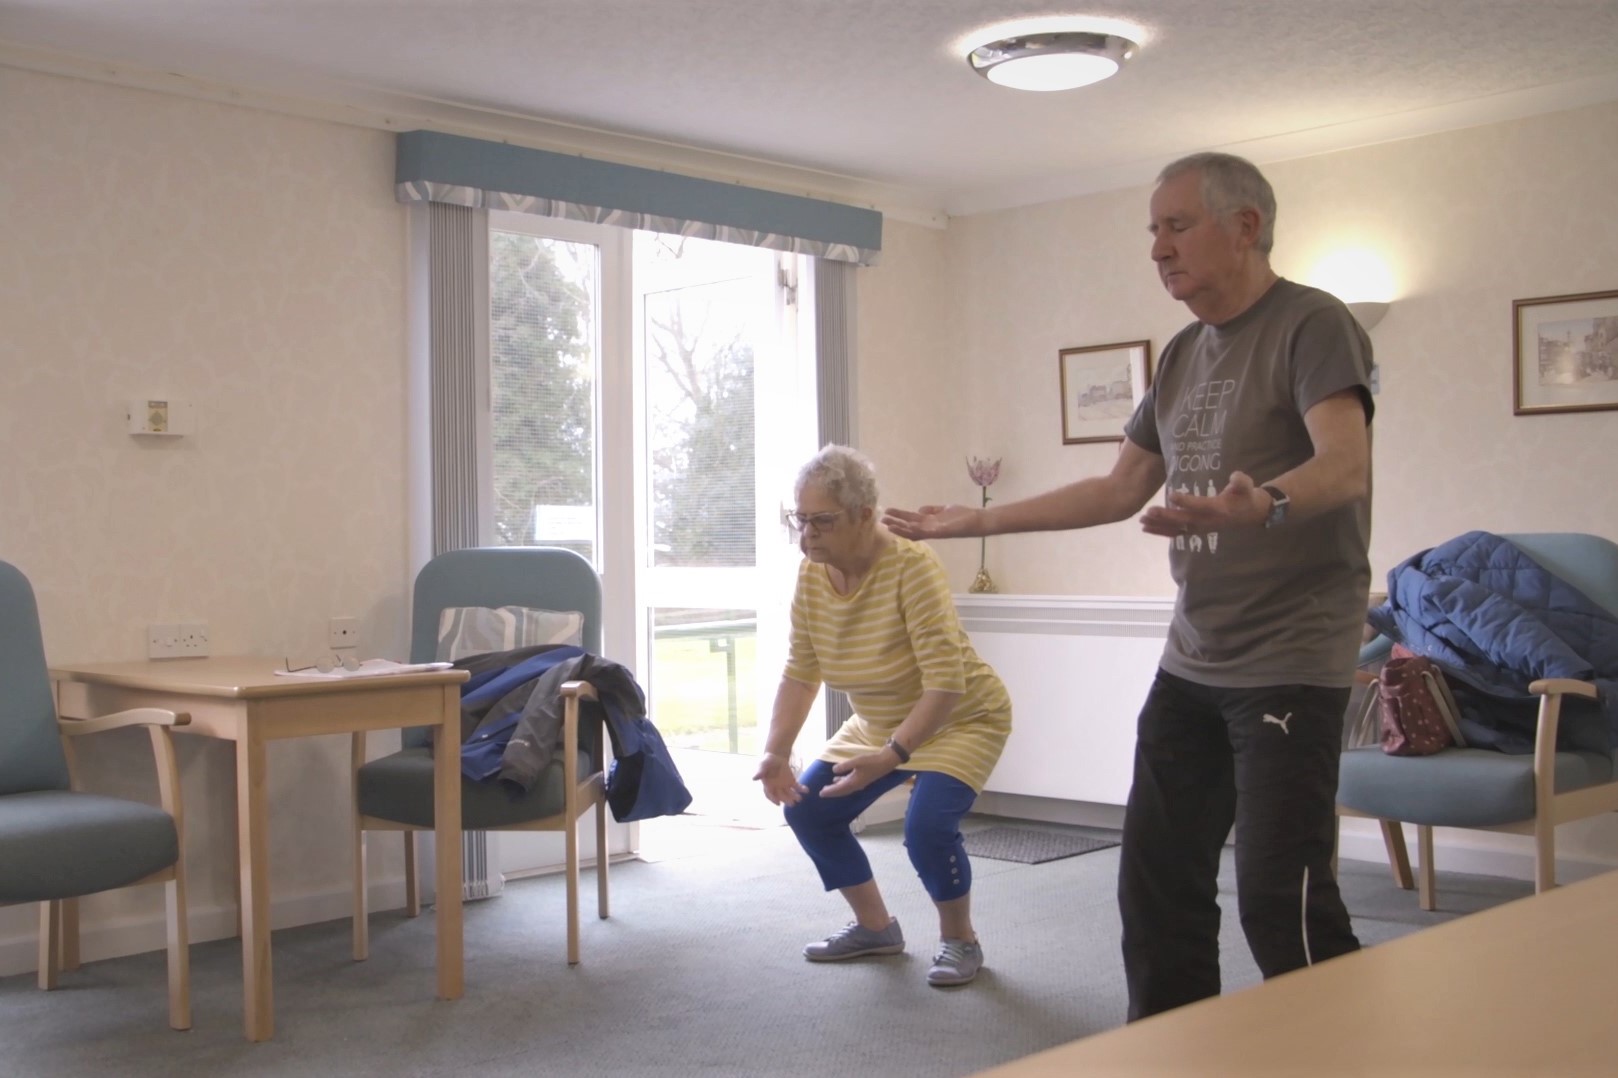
x=480 y=865
x=1078 y=669
x=481 y=875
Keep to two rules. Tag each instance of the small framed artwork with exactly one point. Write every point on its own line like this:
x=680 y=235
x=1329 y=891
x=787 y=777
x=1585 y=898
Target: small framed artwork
x=1565 y=356
x=1101 y=385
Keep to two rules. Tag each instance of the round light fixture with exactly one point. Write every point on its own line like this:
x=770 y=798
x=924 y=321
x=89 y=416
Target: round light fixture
x=1056 y=61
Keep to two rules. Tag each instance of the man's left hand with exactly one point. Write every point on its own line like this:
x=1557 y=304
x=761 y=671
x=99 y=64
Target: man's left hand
x=1240 y=504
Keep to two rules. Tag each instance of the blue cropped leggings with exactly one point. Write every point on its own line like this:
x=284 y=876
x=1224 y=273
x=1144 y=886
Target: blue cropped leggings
x=823 y=826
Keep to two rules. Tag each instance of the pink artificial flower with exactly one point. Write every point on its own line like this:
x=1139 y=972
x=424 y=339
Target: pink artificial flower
x=983 y=472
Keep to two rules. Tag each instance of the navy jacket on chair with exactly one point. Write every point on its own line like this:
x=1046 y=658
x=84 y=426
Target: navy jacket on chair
x=1496 y=620
x=513 y=709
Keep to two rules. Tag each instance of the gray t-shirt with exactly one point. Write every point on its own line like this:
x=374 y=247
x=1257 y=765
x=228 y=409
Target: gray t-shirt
x=1260 y=607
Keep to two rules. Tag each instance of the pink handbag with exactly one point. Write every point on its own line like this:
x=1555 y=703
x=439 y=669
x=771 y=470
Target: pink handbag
x=1418 y=713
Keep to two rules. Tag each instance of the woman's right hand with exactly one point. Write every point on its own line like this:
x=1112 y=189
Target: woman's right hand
x=781 y=786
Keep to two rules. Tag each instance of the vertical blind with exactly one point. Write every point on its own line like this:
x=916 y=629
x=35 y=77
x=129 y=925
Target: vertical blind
x=452 y=276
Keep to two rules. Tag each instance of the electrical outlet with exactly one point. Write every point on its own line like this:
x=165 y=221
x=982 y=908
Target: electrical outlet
x=193 y=639
x=162 y=641
x=185 y=640
x=343 y=633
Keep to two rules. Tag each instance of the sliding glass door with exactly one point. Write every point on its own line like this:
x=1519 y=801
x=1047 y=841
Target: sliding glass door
x=650 y=398
x=723 y=428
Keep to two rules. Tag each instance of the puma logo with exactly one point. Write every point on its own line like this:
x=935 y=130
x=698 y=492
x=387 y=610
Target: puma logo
x=1282 y=723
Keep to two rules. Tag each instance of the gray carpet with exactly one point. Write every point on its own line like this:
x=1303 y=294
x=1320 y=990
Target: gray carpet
x=1029 y=846
x=698 y=972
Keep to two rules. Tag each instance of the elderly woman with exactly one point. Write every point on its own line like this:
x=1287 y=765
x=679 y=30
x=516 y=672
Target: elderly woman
x=873 y=616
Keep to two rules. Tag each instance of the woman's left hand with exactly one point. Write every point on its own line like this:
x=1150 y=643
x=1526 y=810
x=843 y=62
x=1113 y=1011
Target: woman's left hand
x=858 y=773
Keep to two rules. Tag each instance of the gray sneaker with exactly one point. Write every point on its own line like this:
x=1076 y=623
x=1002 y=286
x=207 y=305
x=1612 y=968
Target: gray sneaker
x=956 y=962
x=854 y=941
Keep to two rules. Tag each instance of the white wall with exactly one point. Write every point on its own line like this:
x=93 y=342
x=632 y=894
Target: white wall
x=254 y=265
x=911 y=413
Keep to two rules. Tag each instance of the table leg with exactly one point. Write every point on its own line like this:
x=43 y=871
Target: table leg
x=447 y=845
x=361 y=912
x=252 y=830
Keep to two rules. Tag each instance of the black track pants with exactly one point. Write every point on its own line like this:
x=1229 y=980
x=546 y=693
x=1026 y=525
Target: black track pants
x=1266 y=761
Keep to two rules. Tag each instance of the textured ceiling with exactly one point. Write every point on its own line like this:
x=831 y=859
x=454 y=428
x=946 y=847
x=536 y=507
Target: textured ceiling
x=876 y=91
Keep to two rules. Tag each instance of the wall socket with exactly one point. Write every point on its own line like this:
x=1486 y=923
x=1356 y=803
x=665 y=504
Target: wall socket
x=177 y=640
x=343 y=633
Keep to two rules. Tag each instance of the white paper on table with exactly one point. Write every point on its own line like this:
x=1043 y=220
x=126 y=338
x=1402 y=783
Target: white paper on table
x=367 y=668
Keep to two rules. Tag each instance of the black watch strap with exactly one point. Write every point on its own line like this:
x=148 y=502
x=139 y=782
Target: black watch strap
x=1279 y=502
x=899 y=750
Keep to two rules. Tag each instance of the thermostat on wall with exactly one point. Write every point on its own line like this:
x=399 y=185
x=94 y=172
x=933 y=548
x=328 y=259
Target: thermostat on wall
x=149 y=415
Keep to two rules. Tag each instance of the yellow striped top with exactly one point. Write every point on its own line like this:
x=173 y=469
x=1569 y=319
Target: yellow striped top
x=895 y=636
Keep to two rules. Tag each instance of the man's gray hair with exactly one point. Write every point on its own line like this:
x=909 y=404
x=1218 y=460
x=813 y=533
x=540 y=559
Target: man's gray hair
x=846 y=474
x=1231 y=184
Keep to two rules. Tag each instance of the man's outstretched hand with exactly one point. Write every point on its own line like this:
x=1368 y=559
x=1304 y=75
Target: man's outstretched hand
x=934 y=522
x=1240 y=504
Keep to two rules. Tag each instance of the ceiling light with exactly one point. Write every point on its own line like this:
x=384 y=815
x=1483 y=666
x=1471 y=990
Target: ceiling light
x=1057 y=61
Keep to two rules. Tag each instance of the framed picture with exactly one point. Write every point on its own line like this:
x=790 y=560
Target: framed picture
x=1565 y=357
x=1101 y=385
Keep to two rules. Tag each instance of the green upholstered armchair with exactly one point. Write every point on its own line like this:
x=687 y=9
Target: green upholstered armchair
x=395 y=792
x=58 y=843
x=1487 y=790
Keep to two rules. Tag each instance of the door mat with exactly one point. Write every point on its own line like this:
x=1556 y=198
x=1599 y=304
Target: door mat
x=1030 y=847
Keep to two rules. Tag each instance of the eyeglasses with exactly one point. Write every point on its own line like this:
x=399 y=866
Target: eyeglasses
x=326 y=665
x=820 y=522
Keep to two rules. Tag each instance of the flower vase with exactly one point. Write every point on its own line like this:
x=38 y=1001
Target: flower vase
x=983 y=473
x=983 y=583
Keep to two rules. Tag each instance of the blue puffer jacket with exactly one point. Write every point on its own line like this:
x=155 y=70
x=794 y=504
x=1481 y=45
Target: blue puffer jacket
x=1496 y=620
x=511 y=726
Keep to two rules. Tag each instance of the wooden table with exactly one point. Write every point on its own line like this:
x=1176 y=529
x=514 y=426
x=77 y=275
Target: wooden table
x=1520 y=989
x=243 y=700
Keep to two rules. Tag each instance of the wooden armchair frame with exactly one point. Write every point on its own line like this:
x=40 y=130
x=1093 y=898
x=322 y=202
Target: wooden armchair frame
x=580 y=792
x=1550 y=807
x=59 y=919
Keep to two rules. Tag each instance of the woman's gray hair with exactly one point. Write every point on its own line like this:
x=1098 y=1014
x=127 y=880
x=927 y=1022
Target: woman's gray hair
x=1230 y=184
x=846 y=474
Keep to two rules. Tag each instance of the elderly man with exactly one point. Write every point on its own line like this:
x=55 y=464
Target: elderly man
x=1258 y=425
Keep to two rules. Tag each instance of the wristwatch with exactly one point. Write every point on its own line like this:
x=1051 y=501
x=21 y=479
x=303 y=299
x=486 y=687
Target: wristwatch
x=1278 y=505
x=898 y=750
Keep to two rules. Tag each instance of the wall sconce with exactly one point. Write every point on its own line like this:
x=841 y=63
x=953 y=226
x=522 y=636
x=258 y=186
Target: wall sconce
x=1368 y=314
x=1360 y=279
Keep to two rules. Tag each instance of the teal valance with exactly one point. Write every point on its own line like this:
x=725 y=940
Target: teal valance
x=437 y=167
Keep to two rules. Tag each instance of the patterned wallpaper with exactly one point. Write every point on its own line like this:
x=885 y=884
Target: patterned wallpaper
x=962 y=357
x=253 y=265
x=908 y=376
